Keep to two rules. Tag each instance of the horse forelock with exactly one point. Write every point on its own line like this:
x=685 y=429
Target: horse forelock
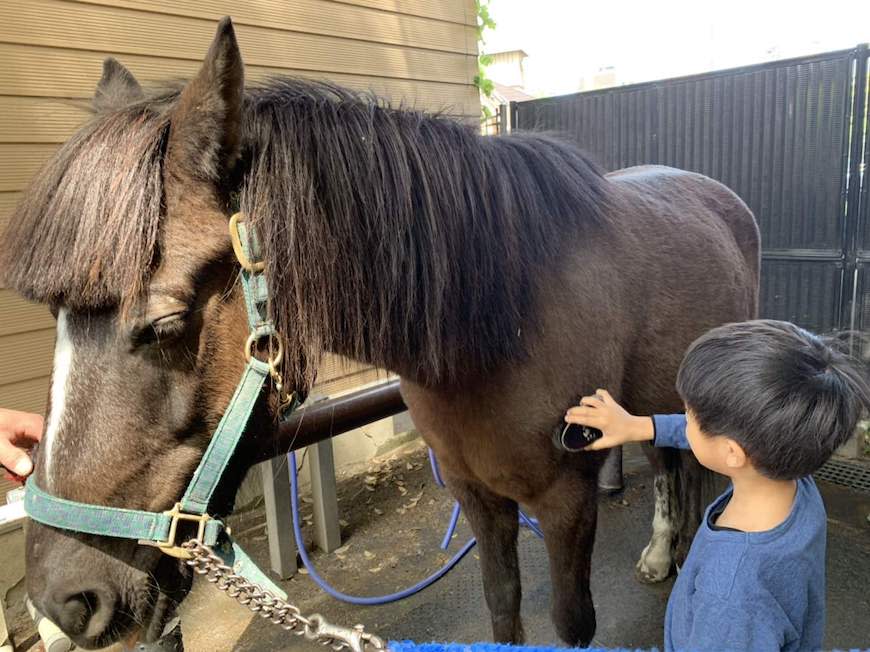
x=85 y=232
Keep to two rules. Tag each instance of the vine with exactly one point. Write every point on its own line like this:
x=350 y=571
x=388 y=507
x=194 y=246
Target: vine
x=484 y=22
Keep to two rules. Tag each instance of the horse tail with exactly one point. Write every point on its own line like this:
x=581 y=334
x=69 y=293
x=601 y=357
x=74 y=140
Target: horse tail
x=695 y=487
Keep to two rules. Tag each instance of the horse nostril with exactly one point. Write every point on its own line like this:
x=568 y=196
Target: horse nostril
x=84 y=614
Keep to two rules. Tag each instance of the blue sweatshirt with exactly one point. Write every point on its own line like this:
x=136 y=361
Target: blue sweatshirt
x=749 y=590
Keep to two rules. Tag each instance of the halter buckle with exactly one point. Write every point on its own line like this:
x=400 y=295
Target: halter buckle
x=244 y=261
x=170 y=547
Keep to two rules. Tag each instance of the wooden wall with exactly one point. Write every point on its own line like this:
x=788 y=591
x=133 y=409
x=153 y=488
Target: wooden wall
x=420 y=52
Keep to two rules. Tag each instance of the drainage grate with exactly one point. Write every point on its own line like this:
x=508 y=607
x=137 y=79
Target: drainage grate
x=846 y=474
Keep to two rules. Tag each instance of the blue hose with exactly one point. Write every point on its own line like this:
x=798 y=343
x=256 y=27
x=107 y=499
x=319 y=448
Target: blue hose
x=451 y=527
x=531 y=523
x=365 y=601
x=436 y=470
x=526 y=520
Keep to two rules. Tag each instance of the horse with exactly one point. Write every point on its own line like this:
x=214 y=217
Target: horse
x=499 y=277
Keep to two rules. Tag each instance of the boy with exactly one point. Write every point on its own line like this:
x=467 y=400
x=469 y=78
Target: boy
x=767 y=403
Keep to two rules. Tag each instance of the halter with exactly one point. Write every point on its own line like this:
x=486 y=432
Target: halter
x=161 y=529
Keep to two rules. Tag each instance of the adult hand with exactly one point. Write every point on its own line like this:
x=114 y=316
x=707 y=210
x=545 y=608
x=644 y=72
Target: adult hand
x=19 y=432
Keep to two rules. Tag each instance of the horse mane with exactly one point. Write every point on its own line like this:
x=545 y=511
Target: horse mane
x=393 y=236
x=402 y=238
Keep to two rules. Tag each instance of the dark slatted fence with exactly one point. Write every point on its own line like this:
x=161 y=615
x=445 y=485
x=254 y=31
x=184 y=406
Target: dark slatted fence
x=790 y=137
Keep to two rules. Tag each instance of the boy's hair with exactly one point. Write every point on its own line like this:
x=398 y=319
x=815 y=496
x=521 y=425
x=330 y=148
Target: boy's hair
x=788 y=397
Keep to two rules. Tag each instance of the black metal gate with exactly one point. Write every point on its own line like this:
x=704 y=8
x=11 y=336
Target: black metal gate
x=790 y=137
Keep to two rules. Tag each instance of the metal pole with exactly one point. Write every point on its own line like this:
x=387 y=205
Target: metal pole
x=320 y=421
x=276 y=493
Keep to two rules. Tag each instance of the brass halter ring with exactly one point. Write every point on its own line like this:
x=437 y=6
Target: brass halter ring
x=285 y=400
x=274 y=360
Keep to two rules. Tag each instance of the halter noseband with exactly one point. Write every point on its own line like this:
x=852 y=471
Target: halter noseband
x=160 y=529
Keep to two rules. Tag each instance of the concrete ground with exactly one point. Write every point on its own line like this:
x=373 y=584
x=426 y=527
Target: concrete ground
x=393 y=520
x=388 y=549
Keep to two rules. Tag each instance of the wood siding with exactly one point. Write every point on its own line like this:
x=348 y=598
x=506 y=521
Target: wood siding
x=418 y=52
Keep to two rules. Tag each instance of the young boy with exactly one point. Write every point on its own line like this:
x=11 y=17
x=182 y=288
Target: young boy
x=767 y=403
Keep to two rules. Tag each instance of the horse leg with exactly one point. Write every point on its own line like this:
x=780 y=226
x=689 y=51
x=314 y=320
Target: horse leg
x=682 y=489
x=495 y=522
x=567 y=514
x=656 y=559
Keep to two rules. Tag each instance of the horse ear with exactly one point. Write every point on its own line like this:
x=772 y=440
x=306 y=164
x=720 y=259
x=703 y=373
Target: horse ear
x=205 y=129
x=116 y=87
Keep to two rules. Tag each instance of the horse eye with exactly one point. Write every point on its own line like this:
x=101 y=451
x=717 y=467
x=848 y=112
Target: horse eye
x=170 y=325
x=162 y=329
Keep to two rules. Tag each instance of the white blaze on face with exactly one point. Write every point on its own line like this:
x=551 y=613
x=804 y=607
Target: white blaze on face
x=63 y=357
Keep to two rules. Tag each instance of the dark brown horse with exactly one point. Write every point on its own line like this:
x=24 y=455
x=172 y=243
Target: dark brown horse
x=500 y=277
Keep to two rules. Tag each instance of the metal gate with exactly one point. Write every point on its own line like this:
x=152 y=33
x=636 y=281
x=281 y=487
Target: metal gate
x=790 y=137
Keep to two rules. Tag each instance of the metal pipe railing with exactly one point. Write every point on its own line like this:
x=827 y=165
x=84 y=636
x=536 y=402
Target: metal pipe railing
x=335 y=416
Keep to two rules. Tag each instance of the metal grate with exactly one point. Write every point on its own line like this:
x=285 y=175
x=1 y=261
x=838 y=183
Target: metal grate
x=846 y=474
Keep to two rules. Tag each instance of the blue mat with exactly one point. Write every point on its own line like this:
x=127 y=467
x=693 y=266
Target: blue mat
x=409 y=646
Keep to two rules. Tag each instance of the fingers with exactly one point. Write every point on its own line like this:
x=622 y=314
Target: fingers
x=20 y=425
x=30 y=426
x=14 y=459
x=585 y=416
x=600 y=444
x=604 y=396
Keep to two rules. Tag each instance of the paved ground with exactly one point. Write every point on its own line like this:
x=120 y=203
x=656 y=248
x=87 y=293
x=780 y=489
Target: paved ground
x=393 y=520
x=392 y=550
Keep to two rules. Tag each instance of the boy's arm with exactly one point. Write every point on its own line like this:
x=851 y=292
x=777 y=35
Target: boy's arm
x=619 y=427
x=670 y=431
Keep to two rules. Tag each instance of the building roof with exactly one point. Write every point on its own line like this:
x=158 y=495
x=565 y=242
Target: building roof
x=510 y=93
x=522 y=53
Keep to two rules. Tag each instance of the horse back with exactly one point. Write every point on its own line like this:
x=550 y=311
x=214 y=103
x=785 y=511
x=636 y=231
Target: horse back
x=670 y=194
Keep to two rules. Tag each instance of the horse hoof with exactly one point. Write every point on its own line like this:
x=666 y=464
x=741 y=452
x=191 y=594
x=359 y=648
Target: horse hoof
x=576 y=628
x=650 y=574
x=508 y=631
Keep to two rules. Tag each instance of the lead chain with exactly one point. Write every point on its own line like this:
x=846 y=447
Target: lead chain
x=279 y=612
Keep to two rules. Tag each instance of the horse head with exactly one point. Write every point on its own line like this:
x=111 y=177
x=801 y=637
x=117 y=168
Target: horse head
x=124 y=235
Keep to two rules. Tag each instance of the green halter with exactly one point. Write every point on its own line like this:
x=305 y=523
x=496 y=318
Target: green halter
x=160 y=529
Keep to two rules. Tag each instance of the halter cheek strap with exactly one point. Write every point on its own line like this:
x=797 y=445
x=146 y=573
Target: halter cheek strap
x=161 y=529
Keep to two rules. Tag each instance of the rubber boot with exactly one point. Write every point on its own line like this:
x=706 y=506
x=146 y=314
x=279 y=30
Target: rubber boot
x=610 y=478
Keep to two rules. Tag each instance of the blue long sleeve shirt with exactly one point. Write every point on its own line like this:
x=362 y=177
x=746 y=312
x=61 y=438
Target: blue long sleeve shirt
x=749 y=590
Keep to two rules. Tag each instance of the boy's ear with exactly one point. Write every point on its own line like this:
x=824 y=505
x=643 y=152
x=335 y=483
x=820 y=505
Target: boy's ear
x=735 y=456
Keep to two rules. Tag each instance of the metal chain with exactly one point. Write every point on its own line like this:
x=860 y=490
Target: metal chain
x=279 y=612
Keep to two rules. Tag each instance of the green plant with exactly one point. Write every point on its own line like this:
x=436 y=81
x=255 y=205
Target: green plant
x=484 y=22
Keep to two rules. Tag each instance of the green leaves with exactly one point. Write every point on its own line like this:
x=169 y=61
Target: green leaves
x=484 y=19
x=485 y=84
x=484 y=22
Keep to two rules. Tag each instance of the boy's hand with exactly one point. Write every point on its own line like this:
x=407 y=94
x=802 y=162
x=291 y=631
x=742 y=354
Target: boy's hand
x=617 y=426
x=19 y=432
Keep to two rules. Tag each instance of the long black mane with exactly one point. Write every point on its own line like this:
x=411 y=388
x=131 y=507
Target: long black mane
x=393 y=236
x=401 y=238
